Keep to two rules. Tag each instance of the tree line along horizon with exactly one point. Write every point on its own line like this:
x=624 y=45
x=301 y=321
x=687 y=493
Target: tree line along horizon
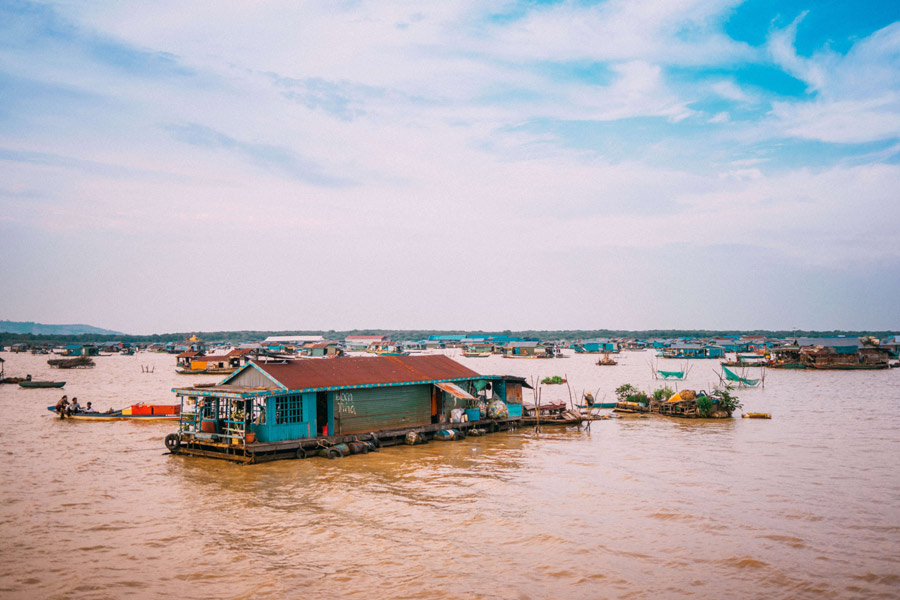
x=238 y=336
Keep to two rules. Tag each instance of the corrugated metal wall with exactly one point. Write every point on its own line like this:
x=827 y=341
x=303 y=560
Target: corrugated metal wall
x=359 y=411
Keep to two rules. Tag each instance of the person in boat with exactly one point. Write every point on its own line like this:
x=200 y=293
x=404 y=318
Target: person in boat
x=89 y=409
x=75 y=407
x=62 y=407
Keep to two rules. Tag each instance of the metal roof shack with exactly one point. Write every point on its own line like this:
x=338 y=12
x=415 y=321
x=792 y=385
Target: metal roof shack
x=266 y=411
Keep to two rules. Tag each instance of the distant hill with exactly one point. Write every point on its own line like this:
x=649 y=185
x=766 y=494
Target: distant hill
x=30 y=328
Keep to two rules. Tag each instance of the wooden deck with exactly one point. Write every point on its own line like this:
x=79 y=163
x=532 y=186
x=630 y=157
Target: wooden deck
x=308 y=447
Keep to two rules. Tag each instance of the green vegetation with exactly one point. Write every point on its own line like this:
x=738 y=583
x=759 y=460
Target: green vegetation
x=8 y=338
x=556 y=379
x=661 y=394
x=628 y=393
x=704 y=406
x=726 y=399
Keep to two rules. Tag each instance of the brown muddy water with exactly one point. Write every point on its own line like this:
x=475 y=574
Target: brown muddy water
x=806 y=505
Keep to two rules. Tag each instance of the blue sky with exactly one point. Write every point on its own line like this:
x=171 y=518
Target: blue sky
x=496 y=165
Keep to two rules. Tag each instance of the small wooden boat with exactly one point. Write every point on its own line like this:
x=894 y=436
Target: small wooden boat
x=135 y=412
x=596 y=405
x=28 y=383
x=79 y=362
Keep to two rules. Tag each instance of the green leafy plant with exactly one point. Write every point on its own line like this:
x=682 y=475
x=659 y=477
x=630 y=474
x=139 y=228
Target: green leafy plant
x=704 y=406
x=553 y=380
x=628 y=393
x=727 y=401
x=625 y=390
x=661 y=394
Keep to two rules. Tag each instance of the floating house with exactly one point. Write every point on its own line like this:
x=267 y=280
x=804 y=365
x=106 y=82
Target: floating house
x=193 y=363
x=80 y=350
x=291 y=409
x=361 y=342
x=684 y=350
x=835 y=353
x=525 y=350
x=596 y=346
x=478 y=349
x=321 y=350
x=892 y=346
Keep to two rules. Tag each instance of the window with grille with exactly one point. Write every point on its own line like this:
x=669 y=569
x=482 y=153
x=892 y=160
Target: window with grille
x=288 y=409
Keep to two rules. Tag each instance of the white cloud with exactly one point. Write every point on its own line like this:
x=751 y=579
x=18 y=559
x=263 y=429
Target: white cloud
x=842 y=121
x=812 y=71
x=856 y=96
x=729 y=90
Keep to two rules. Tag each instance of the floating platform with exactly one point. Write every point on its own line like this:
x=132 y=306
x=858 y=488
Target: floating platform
x=208 y=445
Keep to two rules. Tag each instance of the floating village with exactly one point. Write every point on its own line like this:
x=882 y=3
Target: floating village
x=290 y=397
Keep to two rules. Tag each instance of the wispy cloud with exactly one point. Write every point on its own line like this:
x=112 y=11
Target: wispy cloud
x=265 y=155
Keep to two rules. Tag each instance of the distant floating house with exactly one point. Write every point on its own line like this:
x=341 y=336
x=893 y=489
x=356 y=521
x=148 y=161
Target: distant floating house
x=525 y=350
x=892 y=346
x=321 y=349
x=293 y=339
x=80 y=350
x=834 y=353
x=268 y=411
x=361 y=342
x=596 y=346
x=684 y=350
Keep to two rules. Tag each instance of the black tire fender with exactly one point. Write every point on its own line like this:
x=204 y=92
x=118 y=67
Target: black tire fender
x=301 y=453
x=173 y=442
x=333 y=453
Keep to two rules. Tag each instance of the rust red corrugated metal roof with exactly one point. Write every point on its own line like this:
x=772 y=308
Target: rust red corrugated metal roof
x=239 y=352
x=188 y=354
x=349 y=371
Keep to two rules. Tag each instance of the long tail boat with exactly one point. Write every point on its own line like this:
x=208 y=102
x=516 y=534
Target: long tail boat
x=28 y=383
x=135 y=412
